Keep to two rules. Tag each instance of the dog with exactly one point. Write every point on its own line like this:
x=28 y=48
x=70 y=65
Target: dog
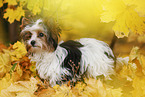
x=65 y=61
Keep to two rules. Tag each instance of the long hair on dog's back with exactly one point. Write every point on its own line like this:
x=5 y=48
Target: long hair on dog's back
x=65 y=61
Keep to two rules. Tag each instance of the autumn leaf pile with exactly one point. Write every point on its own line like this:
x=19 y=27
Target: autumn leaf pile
x=18 y=78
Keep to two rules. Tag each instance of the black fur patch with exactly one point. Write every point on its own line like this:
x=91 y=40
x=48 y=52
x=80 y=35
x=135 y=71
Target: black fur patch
x=72 y=60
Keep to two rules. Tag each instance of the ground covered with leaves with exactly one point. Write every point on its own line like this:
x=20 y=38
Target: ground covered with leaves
x=18 y=78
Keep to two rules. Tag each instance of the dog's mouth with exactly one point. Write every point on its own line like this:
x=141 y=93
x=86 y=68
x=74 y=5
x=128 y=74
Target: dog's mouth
x=35 y=46
x=31 y=48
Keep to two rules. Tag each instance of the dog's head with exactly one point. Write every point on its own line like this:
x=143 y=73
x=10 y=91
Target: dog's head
x=40 y=36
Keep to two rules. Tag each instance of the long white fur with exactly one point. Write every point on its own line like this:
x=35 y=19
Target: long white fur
x=94 y=61
x=49 y=64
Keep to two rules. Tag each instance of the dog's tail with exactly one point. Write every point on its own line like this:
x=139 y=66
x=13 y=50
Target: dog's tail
x=120 y=62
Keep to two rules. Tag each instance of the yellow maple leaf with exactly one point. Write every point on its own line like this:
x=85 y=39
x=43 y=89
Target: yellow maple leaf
x=92 y=88
x=11 y=2
x=35 y=6
x=112 y=9
x=14 y=14
x=139 y=6
x=20 y=12
x=18 y=51
x=130 y=20
x=24 y=94
x=25 y=88
x=1 y=3
x=139 y=87
x=17 y=73
x=95 y=88
x=137 y=62
x=63 y=91
x=125 y=17
x=20 y=47
x=5 y=63
x=134 y=53
x=5 y=82
x=46 y=92
x=114 y=92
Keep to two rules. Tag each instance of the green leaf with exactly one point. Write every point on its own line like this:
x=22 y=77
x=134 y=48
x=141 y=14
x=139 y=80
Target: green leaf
x=12 y=69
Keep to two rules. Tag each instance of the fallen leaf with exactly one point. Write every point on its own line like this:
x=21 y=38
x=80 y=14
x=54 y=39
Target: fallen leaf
x=18 y=51
x=5 y=63
x=1 y=3
x=63 y=91
x=12 y=14
x=5 y=82
x=11 y=2
x=46 y=92
x=134 y=53
x=125 y=17
x=27 y=88
x=16 y=75
x=35 y=6
x=2 y=46
x=139 y=88
x=114 y=92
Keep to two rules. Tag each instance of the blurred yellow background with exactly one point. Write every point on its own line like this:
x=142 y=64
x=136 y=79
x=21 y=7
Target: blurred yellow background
x=76 y=18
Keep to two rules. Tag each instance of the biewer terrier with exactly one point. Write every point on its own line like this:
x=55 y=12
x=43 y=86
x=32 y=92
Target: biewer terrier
x=65 y=61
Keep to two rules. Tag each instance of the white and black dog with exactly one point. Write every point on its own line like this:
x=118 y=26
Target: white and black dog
x=64 y=61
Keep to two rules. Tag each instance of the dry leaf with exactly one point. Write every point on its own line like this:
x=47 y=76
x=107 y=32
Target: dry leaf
x=27 y=88
x=12 y=14
x=125 y=17
x=2 y=46
x=5 y=63
x=46 y=92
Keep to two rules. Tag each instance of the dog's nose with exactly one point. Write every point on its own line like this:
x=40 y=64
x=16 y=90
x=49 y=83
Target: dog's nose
x=33 y=42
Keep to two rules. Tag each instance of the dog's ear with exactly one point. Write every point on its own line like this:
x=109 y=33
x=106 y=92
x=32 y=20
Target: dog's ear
x=25 y=21
x=53 y=42
x=53 y=32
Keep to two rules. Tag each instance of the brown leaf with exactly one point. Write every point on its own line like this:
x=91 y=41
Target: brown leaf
x=46 y=92
x=25 y=63
x=2 y=46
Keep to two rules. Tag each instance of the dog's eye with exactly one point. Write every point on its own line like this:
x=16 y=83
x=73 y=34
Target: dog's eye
x=41 y=34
